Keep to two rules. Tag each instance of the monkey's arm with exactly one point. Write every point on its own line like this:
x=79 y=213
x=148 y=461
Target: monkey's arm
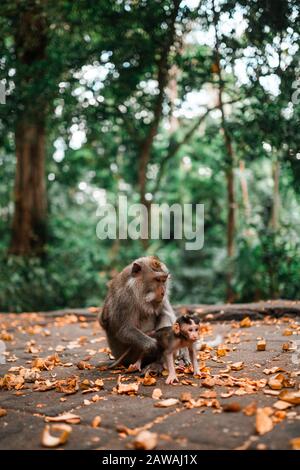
x=193 y=356
x=136 y=339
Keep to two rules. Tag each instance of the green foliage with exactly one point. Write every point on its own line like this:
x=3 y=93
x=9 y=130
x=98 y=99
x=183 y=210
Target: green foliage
x=99 y=77
x=268 y=268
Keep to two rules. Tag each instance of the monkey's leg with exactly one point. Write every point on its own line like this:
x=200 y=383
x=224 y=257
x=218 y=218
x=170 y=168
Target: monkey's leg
x=193 y=356
x=154 y=367
x=183 y=359
x=172 y=377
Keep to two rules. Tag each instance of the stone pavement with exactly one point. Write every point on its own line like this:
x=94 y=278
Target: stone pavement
x=210 y=412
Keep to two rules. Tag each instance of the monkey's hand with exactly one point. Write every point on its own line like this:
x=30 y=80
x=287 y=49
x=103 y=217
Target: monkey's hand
x=138 y=340
x=171 y=379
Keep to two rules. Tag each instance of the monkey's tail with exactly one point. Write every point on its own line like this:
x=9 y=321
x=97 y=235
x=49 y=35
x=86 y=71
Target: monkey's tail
x=120 y=359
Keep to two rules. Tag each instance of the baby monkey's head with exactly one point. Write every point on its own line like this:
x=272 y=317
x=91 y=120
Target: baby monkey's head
x=187 y=326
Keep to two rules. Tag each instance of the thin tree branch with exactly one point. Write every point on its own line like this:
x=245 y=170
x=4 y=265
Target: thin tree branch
x=173 y=150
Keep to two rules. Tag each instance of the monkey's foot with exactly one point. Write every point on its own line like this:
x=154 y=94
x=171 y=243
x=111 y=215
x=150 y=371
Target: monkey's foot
x=154 y=368
x=136 y=367
x=171 y=379
x=182 y=364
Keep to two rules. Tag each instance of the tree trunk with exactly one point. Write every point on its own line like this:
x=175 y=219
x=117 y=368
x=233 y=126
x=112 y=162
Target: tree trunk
x=29 y=220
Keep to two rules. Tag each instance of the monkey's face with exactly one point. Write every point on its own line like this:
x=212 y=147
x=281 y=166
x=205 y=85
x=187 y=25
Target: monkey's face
x=156 y=287
x=152 y=282
x=188 y=327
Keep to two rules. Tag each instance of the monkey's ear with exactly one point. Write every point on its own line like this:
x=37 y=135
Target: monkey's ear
x=136 y=268
x=176 y=328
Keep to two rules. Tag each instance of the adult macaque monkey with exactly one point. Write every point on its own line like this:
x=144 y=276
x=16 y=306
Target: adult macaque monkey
x=136 y=306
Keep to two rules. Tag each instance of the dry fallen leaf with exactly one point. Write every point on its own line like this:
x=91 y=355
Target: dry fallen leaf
x=279 y=416
x=271 y=392
x=281 y=405
x=83 y=365
x=286 y=347
x=96 y=422
x=209 y=382
x=69 y=418
x=166 y=403
x=263 y=422
x=227 y=394
x=99 y=383
x=29 y=375
x=222 y=351
x=261 y=345
x=47 y=363
x=273 y=370
x=127 y=389
x=3 y=412
x=185 y=396
x=276 y=383
x=12 y=382
x=145 y=440
x=44 y=385
x=68 y=386
x=295 y=443
x=287 y=332
x=250 y=409
x=290 y=397
x=208 y=394
x=156 y=394
x=5 y=336
x=149 y=381
x=48 y=440
x=232 y=407
x=237 y=365
x=125 y=430
x=245 y=323
x=96 y=398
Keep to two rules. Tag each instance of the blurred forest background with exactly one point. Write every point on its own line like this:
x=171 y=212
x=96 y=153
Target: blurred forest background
x=163 y=101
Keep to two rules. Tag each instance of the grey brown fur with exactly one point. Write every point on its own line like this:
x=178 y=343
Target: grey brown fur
x=131 y=312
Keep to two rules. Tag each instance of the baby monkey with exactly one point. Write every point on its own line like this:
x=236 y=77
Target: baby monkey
x=183 y=334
